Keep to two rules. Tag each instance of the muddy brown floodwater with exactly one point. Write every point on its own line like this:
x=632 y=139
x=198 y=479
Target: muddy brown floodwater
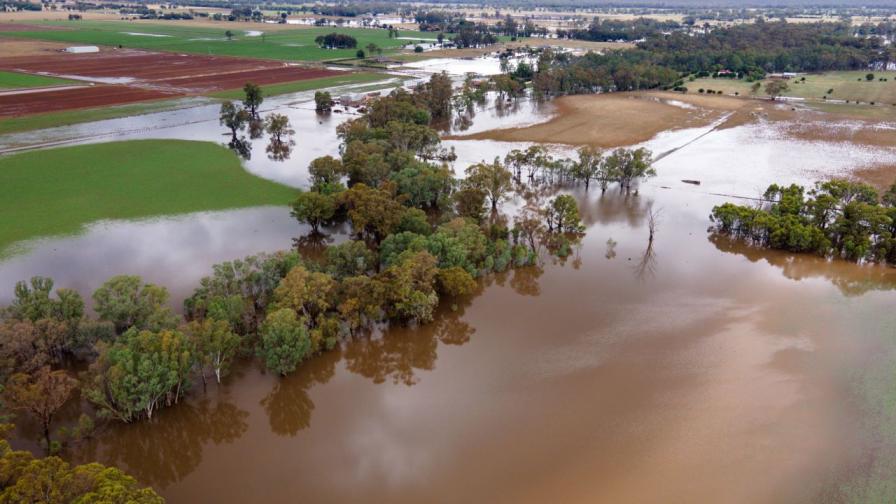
x=697 y=370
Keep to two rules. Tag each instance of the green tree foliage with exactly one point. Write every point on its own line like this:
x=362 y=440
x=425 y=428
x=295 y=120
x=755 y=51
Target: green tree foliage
x=33 y=302
x=307 y=292
x=350 y=258
x=240 y=291
x=493 y=179
x=410 y=287
x=590 y=166
x=374 y=213
x=41 y=394
x=314 y=208
x=284 y=341
x=252 y=100
x=424 y=185
x=127 y=302
x=776 y=88
x=139 y=373
x=280 y=146
x=629 y=165
x=563 y=215
x=837 y=218
x=214 y=345
x=336 y=41
x=325 y=172
x=50 y=480
x=437 y=95
x=323 y=101
x=455 y=281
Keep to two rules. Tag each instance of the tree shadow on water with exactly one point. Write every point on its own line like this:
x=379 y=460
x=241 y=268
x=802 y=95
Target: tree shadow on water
x=288 y=405
x=166 y=449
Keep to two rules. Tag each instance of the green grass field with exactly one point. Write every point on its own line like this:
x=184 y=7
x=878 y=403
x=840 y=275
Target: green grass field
x=15 y=80
x=305 y=85
x=846 y=86
x=58 y=191
x=285 y=44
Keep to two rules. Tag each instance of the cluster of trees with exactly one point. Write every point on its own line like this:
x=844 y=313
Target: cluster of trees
x=238 y=119
x=336 y=41
x=837 y=218
x=625 y=166
x=751 y=50
x=50 y=479
x=610 y=30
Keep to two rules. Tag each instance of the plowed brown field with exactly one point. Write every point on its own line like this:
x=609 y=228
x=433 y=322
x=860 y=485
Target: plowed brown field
x=140 y=75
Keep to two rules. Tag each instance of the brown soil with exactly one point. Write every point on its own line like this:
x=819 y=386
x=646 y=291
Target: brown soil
x=611 y=120
x=155 y=75
x=22 y=47
x=14 y=27
x=14 y=105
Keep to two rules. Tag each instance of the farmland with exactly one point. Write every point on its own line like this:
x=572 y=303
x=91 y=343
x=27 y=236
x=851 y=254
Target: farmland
x=15 y=80
x=281 y=44
x=852 y=86
x=58 y=191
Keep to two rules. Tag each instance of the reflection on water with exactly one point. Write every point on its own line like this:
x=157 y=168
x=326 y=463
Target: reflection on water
x=288 y=405
x=850 y=279
x=164 y=451
x=175 y=252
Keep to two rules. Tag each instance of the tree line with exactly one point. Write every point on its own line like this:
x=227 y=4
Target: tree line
x=837 y=218
x=749 y=50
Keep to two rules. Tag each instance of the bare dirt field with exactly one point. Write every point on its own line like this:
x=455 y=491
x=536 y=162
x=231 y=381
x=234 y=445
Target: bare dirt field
x=140 y=75
x=14 y=105
x=12 y=17
x=20 y=47
x=611 y=120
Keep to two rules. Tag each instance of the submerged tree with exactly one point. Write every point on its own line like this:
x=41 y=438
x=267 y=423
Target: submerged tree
x=491 y=178
x=323 y=101
x=314 y=208
x=235 y=119
x=629 y=165
x=251 y=102
x=42 y=394
x=590 y=166
x=215 y=345
x=284 y=341
x=280 y=146
x=139 y=373
x=127 y=302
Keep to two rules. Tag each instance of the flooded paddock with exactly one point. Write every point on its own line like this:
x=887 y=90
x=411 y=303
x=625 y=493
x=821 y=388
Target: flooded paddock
x=692 y=369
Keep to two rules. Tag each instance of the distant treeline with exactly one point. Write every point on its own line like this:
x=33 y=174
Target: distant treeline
x=750 y=50
x=605 y=30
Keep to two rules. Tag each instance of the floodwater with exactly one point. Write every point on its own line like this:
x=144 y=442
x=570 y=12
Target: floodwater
x=697 y=370
x=694 y=369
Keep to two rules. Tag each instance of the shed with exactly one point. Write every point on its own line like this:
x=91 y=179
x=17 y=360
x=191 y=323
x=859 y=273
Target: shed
x=82 y=49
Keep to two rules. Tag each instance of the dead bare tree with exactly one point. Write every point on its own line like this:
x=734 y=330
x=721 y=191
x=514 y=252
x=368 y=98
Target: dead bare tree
x=653 y=217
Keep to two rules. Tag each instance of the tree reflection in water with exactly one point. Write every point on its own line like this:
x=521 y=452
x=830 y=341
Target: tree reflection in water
x=288 y=405
x=849 y=278
x=168 y=448
x=402 y=351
